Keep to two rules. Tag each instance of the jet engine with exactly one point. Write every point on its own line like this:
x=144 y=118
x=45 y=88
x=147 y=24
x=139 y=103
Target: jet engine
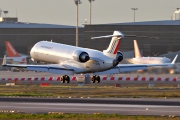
x=119 y=58
x=80 y=56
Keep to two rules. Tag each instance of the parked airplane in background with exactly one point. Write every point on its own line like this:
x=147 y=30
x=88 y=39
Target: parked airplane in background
x=69 y=60
x=13 y=56
x=138 y=59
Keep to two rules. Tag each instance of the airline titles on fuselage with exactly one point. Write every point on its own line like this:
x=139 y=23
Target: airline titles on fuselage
x=42 y=46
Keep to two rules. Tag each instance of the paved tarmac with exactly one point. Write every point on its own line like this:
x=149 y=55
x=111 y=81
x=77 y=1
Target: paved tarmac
x=109 y=106
x=120 y=106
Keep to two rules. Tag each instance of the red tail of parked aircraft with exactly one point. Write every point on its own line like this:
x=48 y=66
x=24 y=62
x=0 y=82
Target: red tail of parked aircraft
x=11 y=52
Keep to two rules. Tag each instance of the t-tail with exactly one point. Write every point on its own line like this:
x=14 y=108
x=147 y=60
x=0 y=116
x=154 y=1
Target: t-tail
x=113 y=48
x=137 y=52
x=11 y=52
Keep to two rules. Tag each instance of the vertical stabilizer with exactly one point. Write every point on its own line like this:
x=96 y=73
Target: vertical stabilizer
x=137 y=52
x=11 y=52
x=113 y=48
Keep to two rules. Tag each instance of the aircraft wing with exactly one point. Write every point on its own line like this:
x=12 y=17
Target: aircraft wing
x=51 y=68
x=132 y=67
x=59 y=69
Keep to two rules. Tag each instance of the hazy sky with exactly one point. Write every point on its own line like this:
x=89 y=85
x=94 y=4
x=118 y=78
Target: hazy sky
x=103 y=11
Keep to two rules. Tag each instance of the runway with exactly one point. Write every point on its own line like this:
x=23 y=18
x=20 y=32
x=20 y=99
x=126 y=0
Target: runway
x=121 y=106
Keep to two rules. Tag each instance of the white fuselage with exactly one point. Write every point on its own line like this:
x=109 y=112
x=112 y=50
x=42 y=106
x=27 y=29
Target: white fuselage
x=149 y=60
x=63 y=54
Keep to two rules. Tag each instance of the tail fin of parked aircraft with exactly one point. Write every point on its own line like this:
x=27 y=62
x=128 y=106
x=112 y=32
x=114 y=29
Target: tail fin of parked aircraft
x=113 y=48
x=174 y=59
x=137 y=52
x=11 y=52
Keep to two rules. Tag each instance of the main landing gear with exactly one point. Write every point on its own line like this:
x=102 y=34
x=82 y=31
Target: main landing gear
x=96 y=79
x=65 y=79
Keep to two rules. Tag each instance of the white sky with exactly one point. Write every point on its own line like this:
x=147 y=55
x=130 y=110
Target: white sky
x=63 y=12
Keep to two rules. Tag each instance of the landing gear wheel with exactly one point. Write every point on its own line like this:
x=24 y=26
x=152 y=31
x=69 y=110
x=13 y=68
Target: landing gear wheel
x=62 y=79
x=67 y=79
x=96 y=79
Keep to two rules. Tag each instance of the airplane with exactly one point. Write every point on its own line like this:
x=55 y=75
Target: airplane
x=138 y=59
x=13 y=55
x=69 y=60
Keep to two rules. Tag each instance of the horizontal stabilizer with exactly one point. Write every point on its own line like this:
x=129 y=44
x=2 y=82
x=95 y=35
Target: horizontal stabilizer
x=115 y=34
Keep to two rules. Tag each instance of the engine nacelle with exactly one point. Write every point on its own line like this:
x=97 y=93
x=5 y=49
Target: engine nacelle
x=119 y=56
x=80 y=56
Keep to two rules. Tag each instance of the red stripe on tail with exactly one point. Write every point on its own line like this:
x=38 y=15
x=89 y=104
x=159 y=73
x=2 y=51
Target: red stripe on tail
x=117 y=47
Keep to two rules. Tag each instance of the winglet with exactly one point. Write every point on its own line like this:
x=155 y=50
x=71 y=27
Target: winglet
x=137 y=52
x=4 y=60
x=174 y=59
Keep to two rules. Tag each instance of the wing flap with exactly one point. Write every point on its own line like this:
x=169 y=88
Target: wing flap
x=37 y=68
x=62 y=71
x=51 y=68
x=132 y=68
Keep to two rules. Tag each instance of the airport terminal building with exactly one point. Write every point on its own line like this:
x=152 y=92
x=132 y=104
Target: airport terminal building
x=157 y=37
x=24 y=35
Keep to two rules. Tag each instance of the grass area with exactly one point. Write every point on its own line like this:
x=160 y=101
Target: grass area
x=8 y=116
x=85 y=91
x=88 y=91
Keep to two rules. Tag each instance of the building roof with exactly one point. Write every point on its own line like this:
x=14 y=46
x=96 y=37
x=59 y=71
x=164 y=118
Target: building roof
x=31 y=25
x=163 y=22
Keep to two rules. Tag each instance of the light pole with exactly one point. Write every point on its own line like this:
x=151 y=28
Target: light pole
x=178 y=9
x=77 y=2
x=0 y=12
x=5 y=12
x=90 y=6
x=134 y=12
